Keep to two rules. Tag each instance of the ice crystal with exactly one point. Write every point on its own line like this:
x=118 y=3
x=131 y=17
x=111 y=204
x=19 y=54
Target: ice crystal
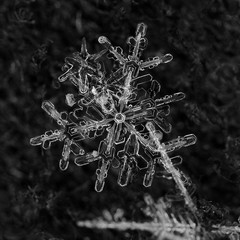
x=121 y=110
x=165 y=221
x=163 y=224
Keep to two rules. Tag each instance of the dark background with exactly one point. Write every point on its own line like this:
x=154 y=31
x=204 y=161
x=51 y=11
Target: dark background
x=37 y=200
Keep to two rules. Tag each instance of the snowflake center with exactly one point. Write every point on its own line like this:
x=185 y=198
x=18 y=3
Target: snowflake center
x=119 y=118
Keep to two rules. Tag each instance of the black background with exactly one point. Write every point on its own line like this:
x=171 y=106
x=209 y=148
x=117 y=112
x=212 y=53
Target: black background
x=37 y=200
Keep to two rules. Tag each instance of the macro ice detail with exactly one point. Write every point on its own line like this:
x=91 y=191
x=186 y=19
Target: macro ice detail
x=120 y=109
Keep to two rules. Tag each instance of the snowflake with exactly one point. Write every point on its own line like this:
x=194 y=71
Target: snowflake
x=120 y=110
x=164 y=222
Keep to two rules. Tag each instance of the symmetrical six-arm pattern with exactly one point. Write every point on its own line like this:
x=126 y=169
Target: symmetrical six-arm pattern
x=121 y=110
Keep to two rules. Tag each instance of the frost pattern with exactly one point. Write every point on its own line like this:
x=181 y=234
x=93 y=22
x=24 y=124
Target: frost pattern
x=121 y=110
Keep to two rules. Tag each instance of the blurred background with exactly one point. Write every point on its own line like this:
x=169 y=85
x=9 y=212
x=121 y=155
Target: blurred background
x=37 y=200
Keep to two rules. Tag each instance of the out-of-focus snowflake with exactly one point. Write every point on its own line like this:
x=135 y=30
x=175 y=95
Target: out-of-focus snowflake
x=165 y=220
x=162 y=222
x=121 y=109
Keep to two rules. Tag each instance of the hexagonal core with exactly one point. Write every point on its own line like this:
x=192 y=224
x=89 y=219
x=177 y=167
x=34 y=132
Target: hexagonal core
x=119 y=118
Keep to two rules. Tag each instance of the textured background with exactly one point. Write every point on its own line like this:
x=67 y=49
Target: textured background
x=37 y=200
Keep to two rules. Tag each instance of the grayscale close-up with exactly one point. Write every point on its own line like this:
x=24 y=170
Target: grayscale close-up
x=120 y=120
